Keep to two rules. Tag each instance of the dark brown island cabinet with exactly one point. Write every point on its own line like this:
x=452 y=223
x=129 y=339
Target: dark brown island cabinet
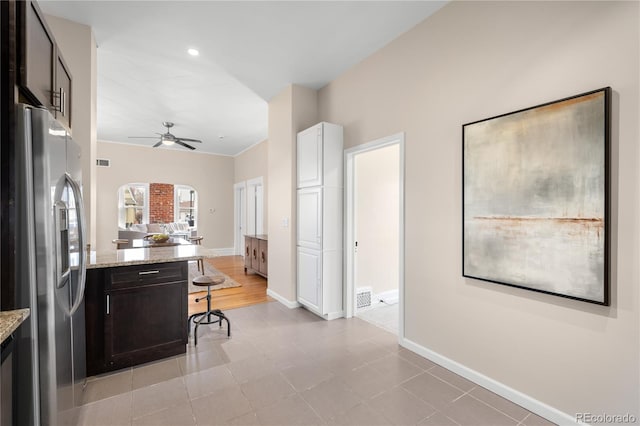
x=135 y=314
x=256 y=254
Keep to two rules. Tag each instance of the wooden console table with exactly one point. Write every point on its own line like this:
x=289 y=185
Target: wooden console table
x=256 y=254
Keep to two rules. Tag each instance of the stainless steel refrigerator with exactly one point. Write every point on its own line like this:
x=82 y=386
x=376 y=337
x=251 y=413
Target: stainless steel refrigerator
x=51 y=265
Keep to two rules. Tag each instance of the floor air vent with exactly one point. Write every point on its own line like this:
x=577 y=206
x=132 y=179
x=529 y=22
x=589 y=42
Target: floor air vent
x=363 y=297
x=101 y=162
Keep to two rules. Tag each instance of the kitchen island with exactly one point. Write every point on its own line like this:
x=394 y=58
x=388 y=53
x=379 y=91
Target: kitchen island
x=136 y=305
x=10 y=320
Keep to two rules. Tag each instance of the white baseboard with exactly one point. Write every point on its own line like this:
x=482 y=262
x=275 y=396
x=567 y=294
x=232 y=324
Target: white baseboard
x=531 y=404
x=390 y=296
x=291 y=304
x=229 y=251
x=334 y=315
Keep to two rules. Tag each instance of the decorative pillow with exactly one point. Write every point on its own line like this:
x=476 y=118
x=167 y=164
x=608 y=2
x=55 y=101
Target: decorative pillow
x=170 y=228
x=138 y=227
x=182 y=226
x=154 y=228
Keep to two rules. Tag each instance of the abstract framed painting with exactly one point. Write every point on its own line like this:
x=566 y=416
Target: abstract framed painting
x=536 y=198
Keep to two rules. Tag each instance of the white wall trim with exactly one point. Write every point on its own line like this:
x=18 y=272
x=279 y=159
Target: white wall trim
x=229 y=251
x=257 y=181
x=291 y=304
x=349 y=221
x=248 y=148
x=517 y=397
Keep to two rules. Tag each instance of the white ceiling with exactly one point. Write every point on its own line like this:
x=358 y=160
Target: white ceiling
x=249 y=52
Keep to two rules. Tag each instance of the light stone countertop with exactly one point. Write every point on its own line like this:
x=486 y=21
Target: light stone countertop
x=144 y=256
x=10 y=320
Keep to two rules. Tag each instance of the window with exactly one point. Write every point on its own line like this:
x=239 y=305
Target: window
x=186 y=204
x=133 y=204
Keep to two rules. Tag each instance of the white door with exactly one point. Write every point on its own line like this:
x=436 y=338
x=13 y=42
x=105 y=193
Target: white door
x=255 y=206
x=310 y=218
x=310 y=278
x=259 y=209
x=309 y=153
x=239 y=217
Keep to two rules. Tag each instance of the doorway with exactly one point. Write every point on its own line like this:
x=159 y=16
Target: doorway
x=240 y=216
x=375 y=232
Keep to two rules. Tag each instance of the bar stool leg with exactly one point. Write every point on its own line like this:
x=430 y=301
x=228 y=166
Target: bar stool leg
x=205 y=317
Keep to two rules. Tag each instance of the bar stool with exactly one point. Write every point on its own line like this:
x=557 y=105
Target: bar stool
x=205 y=317
x=197 y=241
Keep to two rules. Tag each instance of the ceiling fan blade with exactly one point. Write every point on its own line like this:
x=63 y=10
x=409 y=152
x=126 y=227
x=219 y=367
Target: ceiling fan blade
x=189 y=140
x=184 y=144
x=158 y=144
x=143 y=137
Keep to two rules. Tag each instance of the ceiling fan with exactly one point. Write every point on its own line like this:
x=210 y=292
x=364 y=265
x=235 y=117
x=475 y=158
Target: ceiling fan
x=168 y=138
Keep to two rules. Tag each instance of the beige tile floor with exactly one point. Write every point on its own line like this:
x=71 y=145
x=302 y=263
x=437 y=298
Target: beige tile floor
x=288 y=367
x=383 y=315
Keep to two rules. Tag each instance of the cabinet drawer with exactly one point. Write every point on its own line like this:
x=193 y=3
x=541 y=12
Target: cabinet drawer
x=132 y=276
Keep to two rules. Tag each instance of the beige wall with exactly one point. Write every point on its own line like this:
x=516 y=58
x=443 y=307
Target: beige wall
x=78 y=46
x=210 y=175
x=292 y=110
x=251 y=164
x=377 y=184
x=473 y=60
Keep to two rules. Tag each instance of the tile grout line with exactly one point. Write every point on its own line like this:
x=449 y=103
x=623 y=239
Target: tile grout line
x=165 y=407
x=313 y=410
x=436 y=412
x=500 y=411
x=464 y=394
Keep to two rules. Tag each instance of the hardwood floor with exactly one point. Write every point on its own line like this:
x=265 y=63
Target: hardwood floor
x=252 y=291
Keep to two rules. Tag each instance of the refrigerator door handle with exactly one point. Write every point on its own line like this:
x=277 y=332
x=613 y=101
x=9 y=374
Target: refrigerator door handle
x=61 y=223
x=82 y=253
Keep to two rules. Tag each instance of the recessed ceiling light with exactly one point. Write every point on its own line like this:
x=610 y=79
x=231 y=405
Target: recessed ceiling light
x=193 y=52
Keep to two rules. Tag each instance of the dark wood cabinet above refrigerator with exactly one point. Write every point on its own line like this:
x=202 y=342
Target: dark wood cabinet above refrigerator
x=44 y=77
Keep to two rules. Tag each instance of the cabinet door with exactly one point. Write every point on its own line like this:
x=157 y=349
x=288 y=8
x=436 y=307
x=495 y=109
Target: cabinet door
x=309 y=155
x=310 y=218
x=264 y=258
x=310 y=278
x=247 y=252
x=255 y=249
x=37 y=53
x=145 y=322
x=63 y=92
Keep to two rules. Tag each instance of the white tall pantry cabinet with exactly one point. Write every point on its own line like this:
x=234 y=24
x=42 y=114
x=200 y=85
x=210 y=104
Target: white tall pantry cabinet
x=319 y=219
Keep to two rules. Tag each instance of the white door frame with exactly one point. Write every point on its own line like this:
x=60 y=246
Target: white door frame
x=349 y=220
x=239 y=201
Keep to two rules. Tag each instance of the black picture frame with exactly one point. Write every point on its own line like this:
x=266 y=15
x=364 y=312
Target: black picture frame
x=536 y=198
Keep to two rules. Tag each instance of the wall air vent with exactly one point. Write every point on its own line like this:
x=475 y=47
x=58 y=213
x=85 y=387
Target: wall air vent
x=363 y=297
x=102 y=162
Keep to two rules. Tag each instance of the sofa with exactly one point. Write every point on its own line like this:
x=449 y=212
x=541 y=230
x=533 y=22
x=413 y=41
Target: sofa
x=140 y=230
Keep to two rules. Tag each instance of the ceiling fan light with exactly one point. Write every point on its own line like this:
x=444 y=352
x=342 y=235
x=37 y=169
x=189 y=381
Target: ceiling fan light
x=167 y=141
